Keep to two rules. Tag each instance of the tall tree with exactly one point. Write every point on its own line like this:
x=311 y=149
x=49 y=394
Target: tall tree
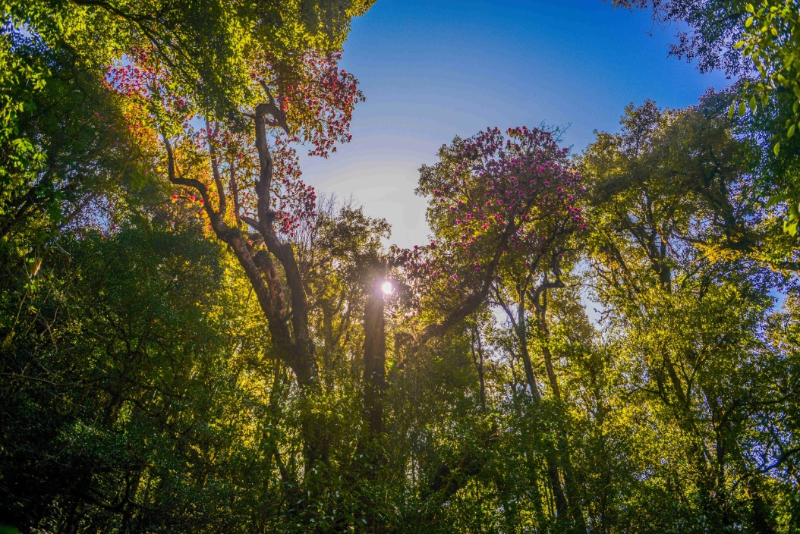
x=749 y=39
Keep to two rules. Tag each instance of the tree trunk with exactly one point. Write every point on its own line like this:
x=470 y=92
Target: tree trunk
x=550 y=458
x=540 y=309
x=374 y=354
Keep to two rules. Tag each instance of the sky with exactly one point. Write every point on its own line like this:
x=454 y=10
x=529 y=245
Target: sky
x=435 y=69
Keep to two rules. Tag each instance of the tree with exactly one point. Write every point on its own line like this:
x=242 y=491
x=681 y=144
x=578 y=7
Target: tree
x=170 y=63
x=191 y=341
x=491 y=197
x=713 y=162
x=748 y=39
x=80 y=155
x=130 y=384
x=687 y=318
x=501 y=210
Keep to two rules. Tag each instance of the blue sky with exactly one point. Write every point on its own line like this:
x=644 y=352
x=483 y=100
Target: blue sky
x=435 y=69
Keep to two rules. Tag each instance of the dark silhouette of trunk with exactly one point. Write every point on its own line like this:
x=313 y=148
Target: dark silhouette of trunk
x=374 y=353
x=369 y=458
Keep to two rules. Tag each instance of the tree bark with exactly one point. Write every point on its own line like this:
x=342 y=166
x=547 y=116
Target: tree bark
x=288 y=324
x=571 y=489
x=374 y=353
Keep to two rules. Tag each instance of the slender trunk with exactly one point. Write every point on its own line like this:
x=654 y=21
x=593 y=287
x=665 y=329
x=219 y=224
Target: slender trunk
x=296 y=350
x=570 y=486
x=288 y=325
x=477 y=359
x=328 y=348
x=370 y=459
x=522 y=338
x=550 y=457
x=374 y=358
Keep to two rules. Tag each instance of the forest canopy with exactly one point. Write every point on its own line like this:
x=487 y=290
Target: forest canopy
x=193 y=340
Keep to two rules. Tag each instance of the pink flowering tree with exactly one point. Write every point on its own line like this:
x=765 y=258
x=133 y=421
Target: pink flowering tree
x=239 y=173
x=503 y=209
x=498 y=203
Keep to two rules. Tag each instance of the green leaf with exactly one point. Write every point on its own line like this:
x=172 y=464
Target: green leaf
x=777 y=148
x=773 y=201
x=742 y=108
x=748 y=22
x=790 y=133
x=790 y=227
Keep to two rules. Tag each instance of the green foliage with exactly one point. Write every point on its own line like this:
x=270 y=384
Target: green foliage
x=142 y=385
x=20 y=79
x=771 y=43
x=146 y=384
x=748 y=38
x=211 y=48
x=84 y=159
x=686 y=312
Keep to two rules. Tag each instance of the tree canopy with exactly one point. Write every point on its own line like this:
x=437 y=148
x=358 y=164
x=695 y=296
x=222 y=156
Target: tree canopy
x=191 y=340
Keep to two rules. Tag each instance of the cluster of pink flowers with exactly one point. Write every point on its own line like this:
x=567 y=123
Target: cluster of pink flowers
x=296 y=200
x=491 y=198
x=320 y=102
x=146 y=83
x=315 y=97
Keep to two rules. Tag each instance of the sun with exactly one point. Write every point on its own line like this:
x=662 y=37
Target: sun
x=387 y=288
